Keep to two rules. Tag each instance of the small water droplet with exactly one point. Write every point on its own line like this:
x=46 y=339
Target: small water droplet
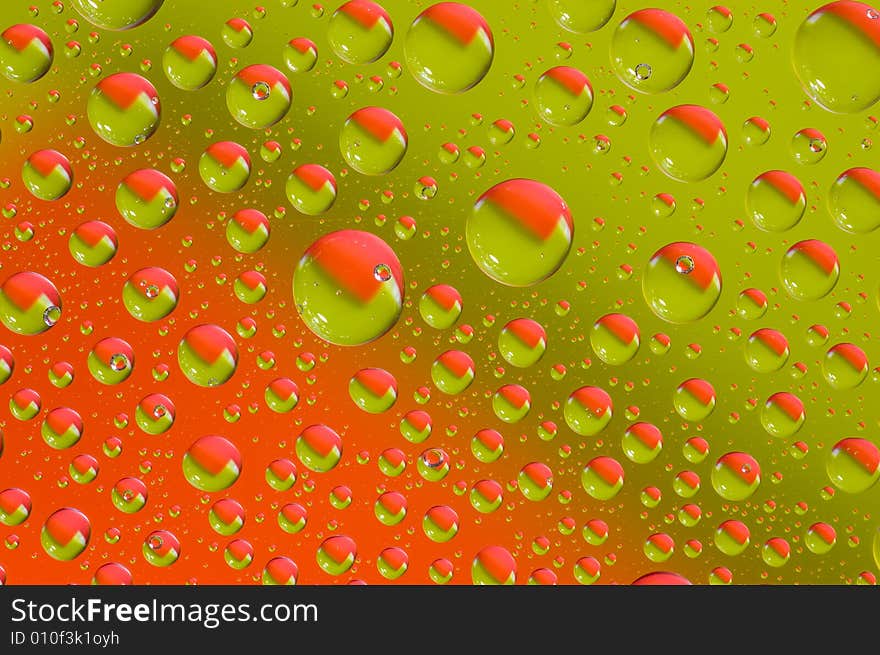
x=51 y=315
x=260 y=90
x=685 y=264
x=382 y=272
x=643 y=71
x=119 y=362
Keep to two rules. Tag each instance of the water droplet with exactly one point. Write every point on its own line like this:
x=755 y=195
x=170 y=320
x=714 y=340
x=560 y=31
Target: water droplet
x=119 y=362
x=51 y=315
x=260 y=90
x=382 y=272
x=685 y=264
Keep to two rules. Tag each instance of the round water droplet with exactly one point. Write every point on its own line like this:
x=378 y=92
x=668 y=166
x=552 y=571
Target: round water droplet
x=440 y=306
x=118 y=15
x=688 y=143
x=682 y=282
x=207 y=355
x=225 y=166
x=373 y=390
x=373 y=141
x=522 y=342
x=319 y=448
x=161 y=548
x=212 y=463
x=684 y=264
x=736 y=476
x=563 y=95
x=783 y=414
x=732 y=537
x=311 y=189
x=694 y=400
x=247 y=231
x=581 y=17
x=520 y=232
x=850 y=31
x=47 y=174
x=615 y=339
x=809 y=270
x=300 y=55
x=65 y=534
x=652 y=50
x=453 y=372
x=360 y=32
x=15 y=506
x=123 y=109
x=337 y=292
x=29 y=303
x=854 y=200
x=776 y=201
x=383 y=272
x=260 y=90
x=642 y=442
x=820 y=538
x=756 y=131
x=111 y=361
x=845 y=366
x=602 y=478
x=258 y=96
x=808 y=146
x=588 y=411
x=147 y=199
x=449 y=48
x=93 y=243
x=189 y=62
x=26 y=53
x=766 y=350
x=150 y=294
x=853 y=465
x=237 y=33
x=493 y=565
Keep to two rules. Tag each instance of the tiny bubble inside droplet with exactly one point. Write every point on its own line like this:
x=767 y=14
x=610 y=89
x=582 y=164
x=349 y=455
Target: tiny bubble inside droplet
x=260 y=90
x=382 y=272
x=684 y=264
x=51 y=315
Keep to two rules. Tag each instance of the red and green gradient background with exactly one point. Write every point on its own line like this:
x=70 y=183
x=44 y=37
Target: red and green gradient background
x=616 y=187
